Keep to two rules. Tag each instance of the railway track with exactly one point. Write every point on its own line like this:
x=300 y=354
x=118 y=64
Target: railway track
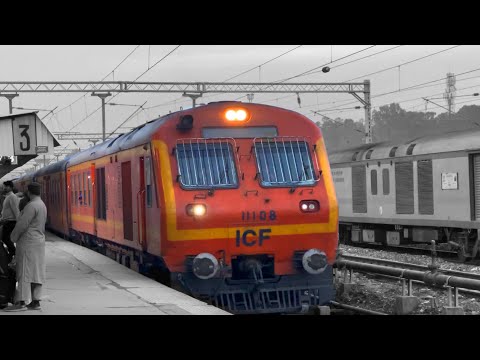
x=416 y=250
x=353 y=309
x=405 y=265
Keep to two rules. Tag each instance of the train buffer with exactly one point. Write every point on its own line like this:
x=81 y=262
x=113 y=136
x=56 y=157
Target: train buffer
x=80 y=281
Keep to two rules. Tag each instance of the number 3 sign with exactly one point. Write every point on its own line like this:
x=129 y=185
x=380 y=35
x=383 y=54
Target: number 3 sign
x=24 y=138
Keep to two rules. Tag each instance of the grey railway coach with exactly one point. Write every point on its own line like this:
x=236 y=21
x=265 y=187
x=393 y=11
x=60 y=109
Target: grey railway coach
x=425 y=189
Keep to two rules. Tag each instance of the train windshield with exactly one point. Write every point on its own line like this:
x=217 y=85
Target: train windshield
x=206 y=165
x=284 y=163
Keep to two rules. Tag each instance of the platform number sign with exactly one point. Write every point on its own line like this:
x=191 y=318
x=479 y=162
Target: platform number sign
x=24 y=136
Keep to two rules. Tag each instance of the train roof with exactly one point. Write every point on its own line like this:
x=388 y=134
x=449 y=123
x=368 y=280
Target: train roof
x=464 y=140
x=28 y=176
x=138 y=136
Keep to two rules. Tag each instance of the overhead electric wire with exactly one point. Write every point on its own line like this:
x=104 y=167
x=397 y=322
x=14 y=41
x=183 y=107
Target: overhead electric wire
x=116 y=67
x=413 y=87
x=138 y=77
x=309 y=72
x=403 y=64
x=337 y=66
x=233 y=77
x=266 y=62
x=392 y=67
x=321 y=66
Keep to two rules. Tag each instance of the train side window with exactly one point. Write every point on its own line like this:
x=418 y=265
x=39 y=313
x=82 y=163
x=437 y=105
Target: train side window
x=148 y=181
x=373 y=180
x=386 y=181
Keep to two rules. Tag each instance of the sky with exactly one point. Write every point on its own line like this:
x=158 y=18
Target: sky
x=217 y=63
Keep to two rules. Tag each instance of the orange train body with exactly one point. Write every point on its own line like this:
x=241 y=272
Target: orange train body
x=129 y=198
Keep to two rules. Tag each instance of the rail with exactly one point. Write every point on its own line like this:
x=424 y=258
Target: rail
x=429 y=277
x=356 y=309
x=366 y=259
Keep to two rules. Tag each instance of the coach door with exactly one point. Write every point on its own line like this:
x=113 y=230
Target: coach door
x=127 y=200
x=476 y=186
x=141 y=207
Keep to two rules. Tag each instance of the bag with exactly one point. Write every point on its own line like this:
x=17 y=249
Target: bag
x=7 y=278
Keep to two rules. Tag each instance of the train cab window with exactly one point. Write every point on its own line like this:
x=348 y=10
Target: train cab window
x=373 y=180
x=386 y=181
x=148 y=181
x=284 y=163
x=206 y=165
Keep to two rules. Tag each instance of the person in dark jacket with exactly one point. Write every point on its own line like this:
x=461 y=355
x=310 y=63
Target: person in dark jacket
x=10 y=214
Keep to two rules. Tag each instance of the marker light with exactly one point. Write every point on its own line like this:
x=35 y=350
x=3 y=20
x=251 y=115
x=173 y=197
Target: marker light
x=309 y=205
x=236 y=115
x=196 y=209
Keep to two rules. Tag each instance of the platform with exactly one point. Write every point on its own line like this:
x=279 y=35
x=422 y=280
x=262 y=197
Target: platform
x=81 y=281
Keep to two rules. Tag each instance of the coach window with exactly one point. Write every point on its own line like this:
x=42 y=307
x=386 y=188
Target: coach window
x=373 y=180
x=386 y=181
x=148 y=181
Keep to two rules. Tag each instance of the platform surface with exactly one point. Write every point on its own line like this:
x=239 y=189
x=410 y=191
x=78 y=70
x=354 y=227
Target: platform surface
x=81 y=281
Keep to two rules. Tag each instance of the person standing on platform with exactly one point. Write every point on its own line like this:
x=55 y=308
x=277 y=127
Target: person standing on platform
x=10 y=214
x=29 y=235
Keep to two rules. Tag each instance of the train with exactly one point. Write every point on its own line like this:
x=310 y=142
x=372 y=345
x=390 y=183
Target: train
x=410 y=193
x=229 y=202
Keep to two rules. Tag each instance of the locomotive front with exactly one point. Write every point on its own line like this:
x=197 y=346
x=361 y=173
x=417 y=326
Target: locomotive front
x=250 y=217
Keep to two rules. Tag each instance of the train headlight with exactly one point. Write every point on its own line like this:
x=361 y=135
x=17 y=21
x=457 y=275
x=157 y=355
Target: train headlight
x=196 y=210
x=205 y=266
x=231 y=115
x=236 y=115
x=314 y=261
x=309 y=205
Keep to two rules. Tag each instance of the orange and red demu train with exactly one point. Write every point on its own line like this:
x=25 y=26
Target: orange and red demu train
x=231 y=202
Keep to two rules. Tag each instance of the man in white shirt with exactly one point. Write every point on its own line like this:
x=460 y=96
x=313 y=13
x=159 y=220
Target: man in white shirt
x=10 y=214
